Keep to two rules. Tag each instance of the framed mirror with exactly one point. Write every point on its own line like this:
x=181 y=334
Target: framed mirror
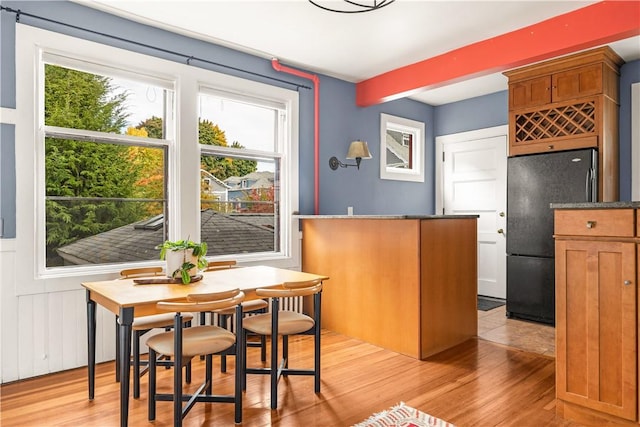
x=401 y=149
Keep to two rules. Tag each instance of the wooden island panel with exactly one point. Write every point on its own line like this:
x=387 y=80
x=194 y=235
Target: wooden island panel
x=408 y=285
x=449 y=283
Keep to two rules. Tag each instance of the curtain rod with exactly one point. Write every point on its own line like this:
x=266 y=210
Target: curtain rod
x=188 y=58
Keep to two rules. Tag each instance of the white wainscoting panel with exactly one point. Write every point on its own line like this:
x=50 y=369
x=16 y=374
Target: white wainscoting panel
x=46 y=332
x=8 y=313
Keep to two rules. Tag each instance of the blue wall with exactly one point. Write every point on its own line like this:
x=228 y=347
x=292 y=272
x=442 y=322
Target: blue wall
x=363 y=189
x=629 y=74
x=471 y=114
x=341 y=121
x=8 y=180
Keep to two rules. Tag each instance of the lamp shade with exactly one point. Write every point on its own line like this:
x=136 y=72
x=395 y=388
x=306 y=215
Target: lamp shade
x=358 y=149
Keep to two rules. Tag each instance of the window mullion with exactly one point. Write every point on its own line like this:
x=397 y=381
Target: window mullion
x=94 y=136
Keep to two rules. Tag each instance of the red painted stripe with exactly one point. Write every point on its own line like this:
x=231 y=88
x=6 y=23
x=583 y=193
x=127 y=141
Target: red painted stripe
x=584 y=28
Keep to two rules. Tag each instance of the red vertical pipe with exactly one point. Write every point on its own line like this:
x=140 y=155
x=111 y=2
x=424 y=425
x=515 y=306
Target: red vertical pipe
x=316 y=125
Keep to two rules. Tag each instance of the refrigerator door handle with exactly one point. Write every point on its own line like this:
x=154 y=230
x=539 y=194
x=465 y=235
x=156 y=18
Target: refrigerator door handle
x=594 y=185
x=587 y=186
x=590 y=185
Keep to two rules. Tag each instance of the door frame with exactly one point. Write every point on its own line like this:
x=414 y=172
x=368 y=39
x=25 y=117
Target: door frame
x=502 y=130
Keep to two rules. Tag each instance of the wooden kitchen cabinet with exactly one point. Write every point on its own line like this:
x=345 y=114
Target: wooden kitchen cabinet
x=566 y=104
x=530 y=93
x=561 y=86
x=576 y=83
x=596 y=312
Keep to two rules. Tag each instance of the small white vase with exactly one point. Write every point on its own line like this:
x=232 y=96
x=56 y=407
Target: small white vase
x=175 y=259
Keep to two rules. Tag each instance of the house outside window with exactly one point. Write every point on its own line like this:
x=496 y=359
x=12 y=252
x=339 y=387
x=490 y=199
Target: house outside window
x=241 y=142
x=399 y=149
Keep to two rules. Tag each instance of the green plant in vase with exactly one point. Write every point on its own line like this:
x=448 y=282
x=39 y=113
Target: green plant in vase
x=184 y=258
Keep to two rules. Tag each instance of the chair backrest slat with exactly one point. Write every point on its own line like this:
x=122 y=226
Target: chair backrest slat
x=220 y=265
x=292 y=289
x=140 y=272
x=216 y=301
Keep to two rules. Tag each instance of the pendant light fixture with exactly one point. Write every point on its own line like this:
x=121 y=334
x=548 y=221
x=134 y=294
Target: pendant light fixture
x=348 y=6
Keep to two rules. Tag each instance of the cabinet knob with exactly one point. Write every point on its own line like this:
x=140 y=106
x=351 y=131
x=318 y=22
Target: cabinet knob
x=550 y=147
x=591 y=224
x=500 y=231
x=627 y=282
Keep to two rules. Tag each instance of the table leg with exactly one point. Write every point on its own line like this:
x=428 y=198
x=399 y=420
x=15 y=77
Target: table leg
x=91 y=344
x=125 y=320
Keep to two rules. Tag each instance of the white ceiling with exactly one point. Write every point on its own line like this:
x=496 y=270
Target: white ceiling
x=353 y=47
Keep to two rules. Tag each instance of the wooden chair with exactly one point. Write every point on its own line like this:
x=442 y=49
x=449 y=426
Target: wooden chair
x=285 y=323
x=213 y=266
x=141 y=325
x=253 y=306
x=184 y=344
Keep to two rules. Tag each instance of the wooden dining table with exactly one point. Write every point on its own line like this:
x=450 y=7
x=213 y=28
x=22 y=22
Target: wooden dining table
x=126 y=299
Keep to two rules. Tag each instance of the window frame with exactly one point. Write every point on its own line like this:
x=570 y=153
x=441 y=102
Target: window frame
x=407 y=126
x=182 y=193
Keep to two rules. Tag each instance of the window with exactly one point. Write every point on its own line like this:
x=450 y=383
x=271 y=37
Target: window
x=401 y=149
x=105 y=157
x=241 y=140
x=138 y=159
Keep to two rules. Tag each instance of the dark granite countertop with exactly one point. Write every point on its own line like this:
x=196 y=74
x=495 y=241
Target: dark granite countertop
x=596 y=205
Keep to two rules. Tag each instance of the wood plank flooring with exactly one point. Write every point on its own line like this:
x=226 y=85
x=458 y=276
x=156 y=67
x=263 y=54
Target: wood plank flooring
x=477 y=383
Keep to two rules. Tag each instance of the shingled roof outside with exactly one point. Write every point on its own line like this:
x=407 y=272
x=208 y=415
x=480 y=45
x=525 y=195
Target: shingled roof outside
x=224 y=233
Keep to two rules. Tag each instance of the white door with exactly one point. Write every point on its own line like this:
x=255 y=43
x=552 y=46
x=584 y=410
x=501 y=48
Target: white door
x=472 y=180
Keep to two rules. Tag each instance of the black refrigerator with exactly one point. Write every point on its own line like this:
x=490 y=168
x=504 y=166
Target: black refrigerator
x=533 y=183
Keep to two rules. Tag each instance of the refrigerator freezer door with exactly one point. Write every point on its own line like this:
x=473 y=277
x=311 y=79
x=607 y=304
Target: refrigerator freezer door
x=526 y=298
x=535 y=181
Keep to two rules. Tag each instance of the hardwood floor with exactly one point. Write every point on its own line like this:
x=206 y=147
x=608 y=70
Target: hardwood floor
x=478 y=383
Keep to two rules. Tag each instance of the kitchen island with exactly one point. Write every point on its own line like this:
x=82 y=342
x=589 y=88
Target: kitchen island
x=404 y=283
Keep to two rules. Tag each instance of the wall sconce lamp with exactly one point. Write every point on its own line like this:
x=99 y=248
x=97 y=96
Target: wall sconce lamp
x=357 y=150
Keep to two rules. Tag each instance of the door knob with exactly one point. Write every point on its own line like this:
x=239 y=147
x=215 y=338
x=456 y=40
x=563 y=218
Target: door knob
x=500 y=231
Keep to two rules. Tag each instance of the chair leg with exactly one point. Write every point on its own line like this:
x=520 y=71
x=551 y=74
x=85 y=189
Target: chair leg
x=316 y=345
x=117 y=351
x=187 y=369
x=285 y=350
x=274 y=371
x=203 y=321
x=177 y=376
x=244 y=359
x=240 y=344
x=317 y=303
x=274 y=353
x=209 y=373
x=263 y=348
x=152 y=385
x=223 y=363
x=222 y=322
x=136 y=364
